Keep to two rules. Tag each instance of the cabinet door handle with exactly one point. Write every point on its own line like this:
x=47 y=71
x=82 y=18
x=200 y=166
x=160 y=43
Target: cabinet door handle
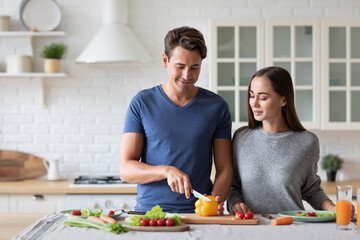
x=37 y=197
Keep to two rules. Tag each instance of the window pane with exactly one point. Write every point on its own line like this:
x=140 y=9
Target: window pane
x=337 y=106
x=303 y=41
x=247 y=36
x=337 y=42
x=226 y=74
x=229 y=97
x=284 y=65
x=243 y=106
x=282 y=42
x=337 y=74
x=355 y=40
x=246 y=72
x=355 y=74
x=355 y=107
x=304 y=73
x=226 y=42
x=304 y=104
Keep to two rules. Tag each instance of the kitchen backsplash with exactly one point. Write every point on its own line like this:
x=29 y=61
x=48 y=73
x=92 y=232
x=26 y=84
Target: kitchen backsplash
x=83 y=121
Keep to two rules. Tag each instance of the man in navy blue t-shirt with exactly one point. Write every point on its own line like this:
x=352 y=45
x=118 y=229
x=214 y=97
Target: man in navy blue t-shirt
x=173 y=131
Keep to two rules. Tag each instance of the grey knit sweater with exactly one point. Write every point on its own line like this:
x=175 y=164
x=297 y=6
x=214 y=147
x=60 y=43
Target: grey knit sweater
x=273 y=172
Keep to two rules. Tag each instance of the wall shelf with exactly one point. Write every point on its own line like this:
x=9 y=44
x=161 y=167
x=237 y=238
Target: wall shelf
x=31 y=34
x=40 y=77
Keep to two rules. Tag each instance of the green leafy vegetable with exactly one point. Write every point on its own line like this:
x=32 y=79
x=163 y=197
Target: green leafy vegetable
x=154 y=213
x=74 y=221
x=88 y=212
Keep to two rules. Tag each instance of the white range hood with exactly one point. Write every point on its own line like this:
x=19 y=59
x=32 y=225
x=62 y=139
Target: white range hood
x=114 y=42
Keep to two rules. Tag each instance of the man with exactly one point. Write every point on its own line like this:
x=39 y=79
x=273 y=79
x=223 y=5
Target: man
x=174 y=128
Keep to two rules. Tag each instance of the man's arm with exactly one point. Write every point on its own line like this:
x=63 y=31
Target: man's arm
x=224 y=170
x=134 y=171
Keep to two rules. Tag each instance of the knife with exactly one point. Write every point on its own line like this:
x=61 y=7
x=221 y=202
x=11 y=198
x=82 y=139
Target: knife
x=199 y=195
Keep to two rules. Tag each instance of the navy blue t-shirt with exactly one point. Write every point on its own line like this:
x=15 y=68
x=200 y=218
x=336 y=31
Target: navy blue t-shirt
x=180 y=137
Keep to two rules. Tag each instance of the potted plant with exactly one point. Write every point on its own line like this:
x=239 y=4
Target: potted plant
x=53 y=53
x=331 y=163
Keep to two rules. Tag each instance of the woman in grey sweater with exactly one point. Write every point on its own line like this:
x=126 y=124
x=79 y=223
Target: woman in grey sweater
x=274 y=157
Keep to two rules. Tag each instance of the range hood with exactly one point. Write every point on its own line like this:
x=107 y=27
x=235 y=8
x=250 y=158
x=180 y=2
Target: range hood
x=114 y=42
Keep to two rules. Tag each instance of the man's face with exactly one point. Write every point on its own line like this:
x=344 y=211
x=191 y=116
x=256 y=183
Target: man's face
x=183 y=68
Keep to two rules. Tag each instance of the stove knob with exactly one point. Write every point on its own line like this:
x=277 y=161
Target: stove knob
x=95 y=205
x=109 y=204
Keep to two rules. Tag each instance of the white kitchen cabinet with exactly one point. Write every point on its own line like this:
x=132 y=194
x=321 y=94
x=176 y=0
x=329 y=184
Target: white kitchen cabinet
x=341 y=74
x=237 y=52
x=42 y=203
x=4 y=203
x=294 y=44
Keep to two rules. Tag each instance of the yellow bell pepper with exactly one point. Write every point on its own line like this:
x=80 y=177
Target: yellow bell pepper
x=205 y=208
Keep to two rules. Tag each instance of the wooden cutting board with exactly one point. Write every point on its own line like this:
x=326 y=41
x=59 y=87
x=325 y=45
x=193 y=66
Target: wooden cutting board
x=178 y=228
x=224 y=220
x=16 y=165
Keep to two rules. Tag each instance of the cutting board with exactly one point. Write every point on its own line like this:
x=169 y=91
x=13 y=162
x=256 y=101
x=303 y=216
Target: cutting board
x=224 y=220
x=16 y=165
x=178 y=228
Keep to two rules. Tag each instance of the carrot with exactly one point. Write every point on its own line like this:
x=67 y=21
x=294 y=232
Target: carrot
x=282 y=221
x=107 y=219
x=95 y=219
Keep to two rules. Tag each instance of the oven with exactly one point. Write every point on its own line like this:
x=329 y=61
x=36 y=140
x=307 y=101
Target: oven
x=103 y=201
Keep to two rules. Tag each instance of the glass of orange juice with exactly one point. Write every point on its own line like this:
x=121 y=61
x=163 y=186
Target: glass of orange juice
x=358 y=207
x=343 y=207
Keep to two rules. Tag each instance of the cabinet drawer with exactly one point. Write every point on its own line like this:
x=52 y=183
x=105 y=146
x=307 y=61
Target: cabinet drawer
x=36 y=203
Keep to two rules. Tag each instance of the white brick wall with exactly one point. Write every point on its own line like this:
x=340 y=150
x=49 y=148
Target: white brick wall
x=83 y=121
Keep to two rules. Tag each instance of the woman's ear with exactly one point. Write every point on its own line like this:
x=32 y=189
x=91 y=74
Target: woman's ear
x=283 y=102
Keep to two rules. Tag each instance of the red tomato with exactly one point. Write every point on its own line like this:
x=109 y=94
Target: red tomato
x=152 y=222
x=143 y=222
x=298 y=213
x=111 y=213
x=249 y=215
x=239 y=215
x=313 y=214
x=159 y=222
x=73 y=212
x=308 y=214
x=79 y=212
x=169 y=222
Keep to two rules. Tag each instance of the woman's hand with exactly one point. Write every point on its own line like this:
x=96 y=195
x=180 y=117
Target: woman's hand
x=239 y=207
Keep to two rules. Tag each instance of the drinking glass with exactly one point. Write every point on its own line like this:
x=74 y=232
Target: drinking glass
x=358 y=207
x=343 y=207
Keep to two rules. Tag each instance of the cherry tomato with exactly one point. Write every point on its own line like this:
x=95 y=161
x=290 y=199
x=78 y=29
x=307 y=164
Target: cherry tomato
x=313 y=214
x=239 y=215
x=249 y=215
x=308 y=214
x=169 y=222
x=111 y=213
x=74 y=212
x=164 y=221
x=143 y=222
x=159 y=222
x=79 y=212
x=298 y=213
x=152 y=222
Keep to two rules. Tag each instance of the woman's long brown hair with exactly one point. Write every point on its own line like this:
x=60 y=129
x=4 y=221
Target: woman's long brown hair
x=281 y=82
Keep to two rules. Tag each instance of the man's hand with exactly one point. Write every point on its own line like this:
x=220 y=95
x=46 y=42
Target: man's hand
x=239 y=207
x=178 y=181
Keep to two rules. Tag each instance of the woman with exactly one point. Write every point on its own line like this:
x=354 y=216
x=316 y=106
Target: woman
x=275 y=159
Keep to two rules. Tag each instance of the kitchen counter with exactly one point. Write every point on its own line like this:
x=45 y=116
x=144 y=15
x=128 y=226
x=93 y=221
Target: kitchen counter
x=62 y=187
x=264 y=230
x=58 y=187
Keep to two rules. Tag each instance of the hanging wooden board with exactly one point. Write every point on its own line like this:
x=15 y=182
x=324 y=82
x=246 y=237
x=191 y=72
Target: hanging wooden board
x=225 y=220
x=16 y=165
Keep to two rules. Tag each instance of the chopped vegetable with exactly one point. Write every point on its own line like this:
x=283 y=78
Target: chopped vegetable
x=74 y=221
x=155 y=213
x=95 y=219
x=88 y=212
x=282 y=221
x=315 y=214
x=107 y=219
x=205 y=208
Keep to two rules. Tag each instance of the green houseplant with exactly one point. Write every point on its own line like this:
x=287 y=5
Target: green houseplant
x=331 y=164
x=53 y=53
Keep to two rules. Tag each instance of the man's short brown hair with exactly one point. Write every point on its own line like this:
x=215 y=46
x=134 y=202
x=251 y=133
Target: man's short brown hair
x=188 y=38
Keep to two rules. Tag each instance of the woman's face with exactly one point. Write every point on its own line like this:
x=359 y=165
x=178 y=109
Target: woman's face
x=265 y=103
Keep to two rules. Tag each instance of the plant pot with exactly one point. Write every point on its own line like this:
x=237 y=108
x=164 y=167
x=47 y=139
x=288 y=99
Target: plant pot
x=331 y=176
x=52 y=65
